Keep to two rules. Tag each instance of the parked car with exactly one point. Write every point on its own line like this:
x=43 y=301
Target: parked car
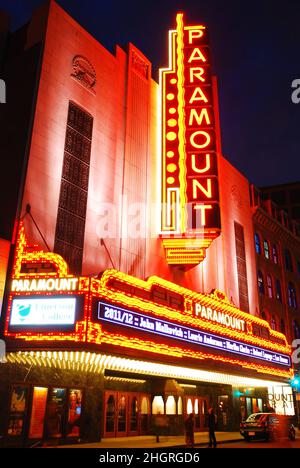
x=268 y=426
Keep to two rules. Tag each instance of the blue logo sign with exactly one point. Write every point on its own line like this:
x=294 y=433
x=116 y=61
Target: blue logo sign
x=23 y=311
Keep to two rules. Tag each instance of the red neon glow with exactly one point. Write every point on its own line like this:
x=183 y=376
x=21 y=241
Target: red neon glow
x=191 y=195
x=123 y=290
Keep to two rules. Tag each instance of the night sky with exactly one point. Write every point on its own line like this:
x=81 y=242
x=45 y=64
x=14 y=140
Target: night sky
x=256 y=56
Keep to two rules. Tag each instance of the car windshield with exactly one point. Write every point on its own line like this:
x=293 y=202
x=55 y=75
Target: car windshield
x=255 y=417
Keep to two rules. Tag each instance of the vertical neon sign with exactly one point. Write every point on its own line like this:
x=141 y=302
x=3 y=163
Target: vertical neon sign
x=190 y=199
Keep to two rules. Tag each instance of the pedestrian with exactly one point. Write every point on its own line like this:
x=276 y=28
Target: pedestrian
x=189 y=430
x=159 y=425
x=212 y=422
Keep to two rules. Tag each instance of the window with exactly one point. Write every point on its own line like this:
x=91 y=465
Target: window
x=263 y=315
x=278 y=290
x=189 y=406
x=171 y=405
x=282 y=326
x=158 y=406
x=296 y=329
x=273 y=323
x=288 y=260
x=261 y=286
x=275 y=254
x=270 y=286
x=241 y=266
x=180 y=406
x=298 y=268
x=292 y=298
x=72 y=204
x=266 y=249
x=257 y=243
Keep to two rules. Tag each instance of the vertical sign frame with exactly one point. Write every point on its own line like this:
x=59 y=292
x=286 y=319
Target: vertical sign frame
x=190 y=218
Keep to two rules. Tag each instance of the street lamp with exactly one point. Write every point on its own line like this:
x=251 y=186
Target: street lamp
x=295 y=384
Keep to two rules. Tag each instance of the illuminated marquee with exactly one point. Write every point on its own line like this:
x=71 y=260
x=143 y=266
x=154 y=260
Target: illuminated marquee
x=49 y=304
x=47 y=311
x=220 y=317
x=130 y=306
x=190 y=326
x=128 y=318
x=190 y=198
x=50 y=284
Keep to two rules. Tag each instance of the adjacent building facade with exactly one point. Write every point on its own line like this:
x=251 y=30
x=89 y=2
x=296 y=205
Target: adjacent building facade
x=134 y=281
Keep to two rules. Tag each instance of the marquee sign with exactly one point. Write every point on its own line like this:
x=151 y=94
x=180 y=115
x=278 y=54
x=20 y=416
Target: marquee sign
x=42 y=284
x=47 y=311
x=48 y=306
x=190 y=198
x=165 y=328
x=46 y=302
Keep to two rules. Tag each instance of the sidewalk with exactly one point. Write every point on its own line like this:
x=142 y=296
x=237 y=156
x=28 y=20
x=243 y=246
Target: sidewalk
x=201 y=438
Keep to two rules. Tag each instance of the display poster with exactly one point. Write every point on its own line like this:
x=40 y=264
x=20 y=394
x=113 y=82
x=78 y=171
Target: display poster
x=39 y=403
x=74 y=413
x=18 y=407
x=55 y=413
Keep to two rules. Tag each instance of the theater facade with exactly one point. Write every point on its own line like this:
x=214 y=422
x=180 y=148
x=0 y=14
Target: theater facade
x=105 y=355
x=132 y=287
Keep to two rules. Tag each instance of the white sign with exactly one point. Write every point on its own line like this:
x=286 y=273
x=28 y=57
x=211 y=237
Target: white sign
x=42 y=284
x=36 y=311
x=219 y=317
x=281 y=400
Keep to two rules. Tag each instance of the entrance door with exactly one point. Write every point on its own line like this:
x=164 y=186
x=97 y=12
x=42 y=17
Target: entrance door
x=144 y=414
x=203 y=413
x=199 y=406
x=122 y=419
x=110 y=411
x=134 y=414
x=126 y=414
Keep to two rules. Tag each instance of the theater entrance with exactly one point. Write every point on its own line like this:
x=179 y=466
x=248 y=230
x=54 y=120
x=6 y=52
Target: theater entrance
x=199 y=407
x=126 y=414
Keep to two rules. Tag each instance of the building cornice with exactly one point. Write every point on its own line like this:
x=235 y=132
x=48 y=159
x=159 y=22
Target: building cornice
x=261 y=217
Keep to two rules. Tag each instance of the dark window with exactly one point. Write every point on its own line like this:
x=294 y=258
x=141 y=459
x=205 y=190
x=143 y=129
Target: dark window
x=261 y=286
x=70 y=224
x=292 y=298
x=266 y=249
x=298 y=268
x=273 y=323
x=295 y=196
x=257 y=243
x=296 y=212
x=263 y=315
x=296 y=329
x=275 y=254
x=259 y=330
x=288 y=260
x=270 y=286
x=279 y=197
x=282 y=326
x=278 y=290
x=241 y=266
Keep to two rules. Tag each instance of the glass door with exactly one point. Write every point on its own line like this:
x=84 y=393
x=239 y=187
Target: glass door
x=134 y=414
x=145 y=414
x=204 y=403
x=110 y=410
x=122 y=414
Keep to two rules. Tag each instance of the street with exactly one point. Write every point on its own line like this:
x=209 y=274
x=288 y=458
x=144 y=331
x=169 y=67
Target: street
x=258 y=444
